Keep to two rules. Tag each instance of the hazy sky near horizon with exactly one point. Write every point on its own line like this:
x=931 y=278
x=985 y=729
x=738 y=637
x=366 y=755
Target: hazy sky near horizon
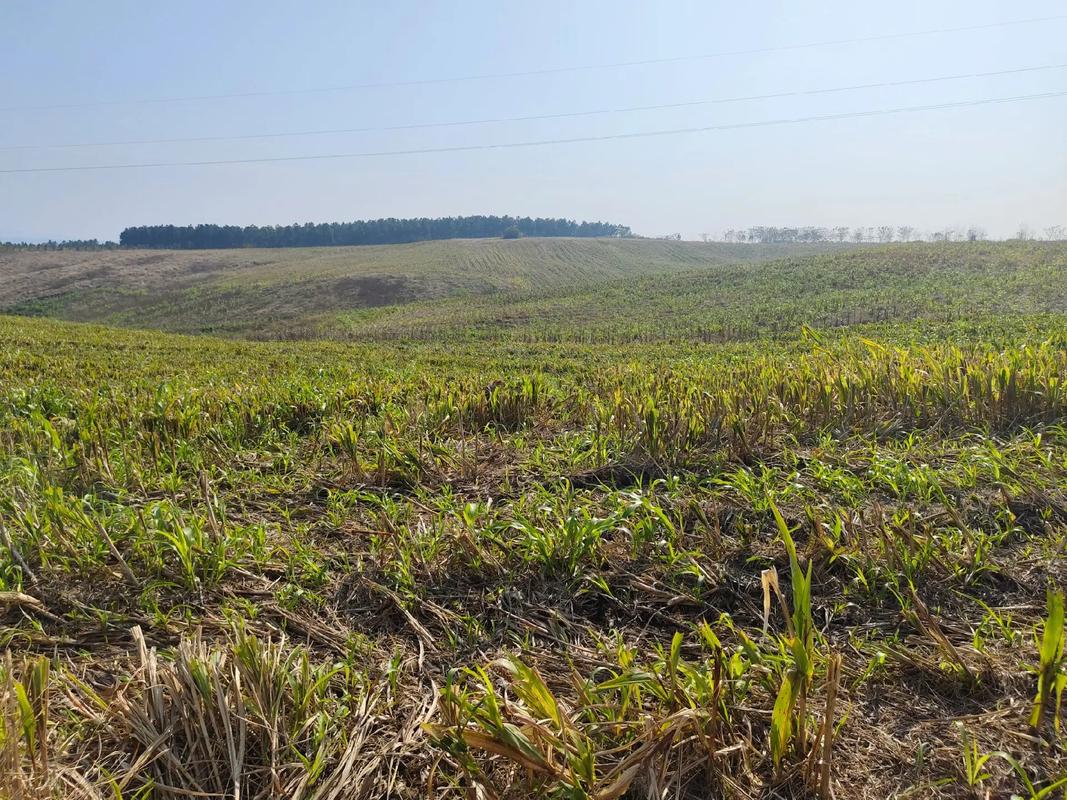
x=70 y=72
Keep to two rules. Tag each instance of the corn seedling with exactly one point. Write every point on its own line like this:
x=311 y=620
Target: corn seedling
x=1051 y=678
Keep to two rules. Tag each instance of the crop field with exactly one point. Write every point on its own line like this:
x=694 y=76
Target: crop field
x=745 y=301
x=298 y=292
x=790 y=528
x=548 y=290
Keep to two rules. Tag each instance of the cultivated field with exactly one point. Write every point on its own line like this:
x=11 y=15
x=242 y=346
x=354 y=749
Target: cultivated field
x=298 y=292
x=745 y=301
x=777 y=530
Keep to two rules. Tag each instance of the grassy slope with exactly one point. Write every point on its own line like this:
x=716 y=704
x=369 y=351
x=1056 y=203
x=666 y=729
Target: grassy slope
x=286 y=291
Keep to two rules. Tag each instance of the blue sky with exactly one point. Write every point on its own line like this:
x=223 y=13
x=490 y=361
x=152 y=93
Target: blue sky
x=995 y=165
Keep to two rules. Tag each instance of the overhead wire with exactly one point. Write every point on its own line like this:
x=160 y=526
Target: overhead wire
x=545 y=142
x=549 y=116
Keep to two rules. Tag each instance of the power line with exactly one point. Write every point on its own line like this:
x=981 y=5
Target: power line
x=548 y=70
x=532 y=117
x=542 y=142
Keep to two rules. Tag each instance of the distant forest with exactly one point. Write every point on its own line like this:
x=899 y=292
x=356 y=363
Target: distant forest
x=66 y=244
x=377 y=231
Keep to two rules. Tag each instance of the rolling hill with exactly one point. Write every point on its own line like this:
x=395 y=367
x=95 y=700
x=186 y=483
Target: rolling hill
x=741 y=301
x=297 y=292
x=579 y=290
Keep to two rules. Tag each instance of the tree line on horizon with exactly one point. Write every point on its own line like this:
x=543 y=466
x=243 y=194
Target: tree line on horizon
x=360 y=232
x=66 y=244
x=769 y=234
x=395 y=231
